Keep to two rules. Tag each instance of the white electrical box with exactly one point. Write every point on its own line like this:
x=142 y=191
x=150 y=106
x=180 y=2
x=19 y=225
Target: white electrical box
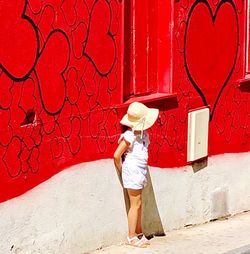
x=198 y=122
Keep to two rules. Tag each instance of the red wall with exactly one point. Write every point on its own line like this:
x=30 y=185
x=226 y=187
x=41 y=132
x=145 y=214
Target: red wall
x=61 y=80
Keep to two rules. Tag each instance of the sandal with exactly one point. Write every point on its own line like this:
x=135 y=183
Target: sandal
x=143 y=238
x=136 y=242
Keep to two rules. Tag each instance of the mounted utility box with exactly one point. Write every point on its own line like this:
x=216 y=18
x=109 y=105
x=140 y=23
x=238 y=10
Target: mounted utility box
x=197 y=134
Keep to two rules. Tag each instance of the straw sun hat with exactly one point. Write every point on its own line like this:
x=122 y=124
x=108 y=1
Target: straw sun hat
x=139 y=117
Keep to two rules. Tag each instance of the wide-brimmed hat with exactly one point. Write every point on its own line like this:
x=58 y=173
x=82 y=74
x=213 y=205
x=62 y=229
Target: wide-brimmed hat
x=139 y=116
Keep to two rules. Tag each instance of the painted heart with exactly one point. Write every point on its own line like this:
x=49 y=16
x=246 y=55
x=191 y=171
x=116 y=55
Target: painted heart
x=50 y=68
x=17 y=32
x=5 y=91
x=104 y=97
x=100 y=47
x=220 y=119
x=33 y=160
x=154 y=152
x=11 y=158
x=88 y=79
x=56 y=148
x=171 y=130
x=17 y=113
x=83 y=103
x=68 y=8
x=27 y=100
x=24 y=157
x=63 y=121
x=27 y=139
x=6 y=132
x=35 y=6
x=111 y=126
x=74 y=141
x=211 y=48
x=79 y=35
x=184 y=3
x=47 y=122
x=161 y=127
x=46 y=23
x=113 y=78
x=96 y=119
x=180 y=36
x=101 y=141
x=72 y=85
x=89 y=3
x=37 y=134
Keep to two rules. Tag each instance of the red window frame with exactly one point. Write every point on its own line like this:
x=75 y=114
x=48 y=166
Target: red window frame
x=245 y=81
x=247 y=38
x=147 y=49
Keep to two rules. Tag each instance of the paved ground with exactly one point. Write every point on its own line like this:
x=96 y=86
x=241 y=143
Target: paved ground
x=228 y=236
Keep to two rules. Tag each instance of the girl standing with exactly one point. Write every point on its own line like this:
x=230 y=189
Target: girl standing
x=134 y=145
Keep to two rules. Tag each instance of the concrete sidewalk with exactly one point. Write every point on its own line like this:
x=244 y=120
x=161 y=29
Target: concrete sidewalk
x=227 y=236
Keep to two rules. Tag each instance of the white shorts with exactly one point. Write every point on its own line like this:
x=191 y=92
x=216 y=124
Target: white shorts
x=134 y=177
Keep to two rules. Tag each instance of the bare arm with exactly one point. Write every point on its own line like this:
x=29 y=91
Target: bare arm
x=121 y=149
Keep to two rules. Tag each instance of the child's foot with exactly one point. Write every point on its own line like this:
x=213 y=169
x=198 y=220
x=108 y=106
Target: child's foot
x=136 y=242
x=143 y=238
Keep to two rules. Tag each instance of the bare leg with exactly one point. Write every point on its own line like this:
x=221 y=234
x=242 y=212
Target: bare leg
x=134 y=211
x=138 y=225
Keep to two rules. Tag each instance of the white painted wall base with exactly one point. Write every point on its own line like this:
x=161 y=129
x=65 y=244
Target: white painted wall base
x=82 y=208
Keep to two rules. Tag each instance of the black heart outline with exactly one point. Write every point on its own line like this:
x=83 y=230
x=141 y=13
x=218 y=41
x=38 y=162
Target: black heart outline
x=27 y=74
x=213 y=16
x=51 y=34
x=84 y=53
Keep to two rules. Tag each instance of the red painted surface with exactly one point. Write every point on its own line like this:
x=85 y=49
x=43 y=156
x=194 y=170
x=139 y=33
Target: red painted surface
x=211 y=48
x=65 y=70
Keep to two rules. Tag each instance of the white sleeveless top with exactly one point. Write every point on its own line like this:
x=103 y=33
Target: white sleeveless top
x=137 y=154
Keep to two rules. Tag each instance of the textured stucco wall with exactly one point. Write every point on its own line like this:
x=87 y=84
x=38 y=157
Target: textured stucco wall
x=83 y=208
x=79 y=209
